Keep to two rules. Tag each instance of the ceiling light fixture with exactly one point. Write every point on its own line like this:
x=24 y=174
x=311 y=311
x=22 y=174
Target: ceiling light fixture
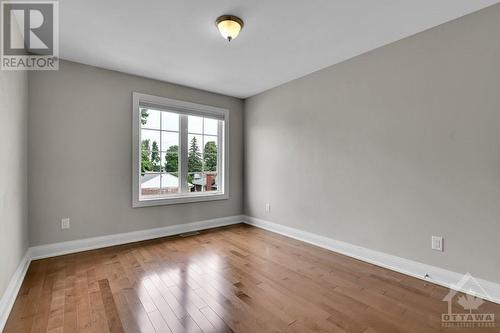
x=229 y=26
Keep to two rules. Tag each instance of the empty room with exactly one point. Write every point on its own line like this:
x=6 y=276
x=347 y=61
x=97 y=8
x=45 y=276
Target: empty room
x=250 y=166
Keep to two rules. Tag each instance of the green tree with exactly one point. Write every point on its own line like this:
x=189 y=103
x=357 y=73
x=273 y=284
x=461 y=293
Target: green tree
x=144 y=116
x=145 y=161
x=195 y=163
x=155 y=157
x=210 y=156
x=172 y=159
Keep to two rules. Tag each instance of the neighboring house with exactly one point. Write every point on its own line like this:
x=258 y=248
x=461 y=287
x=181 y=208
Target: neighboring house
x=209 y=182
x=152 y=182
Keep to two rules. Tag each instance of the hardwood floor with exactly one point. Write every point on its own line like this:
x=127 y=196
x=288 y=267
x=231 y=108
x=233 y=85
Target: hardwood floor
x=238 y=278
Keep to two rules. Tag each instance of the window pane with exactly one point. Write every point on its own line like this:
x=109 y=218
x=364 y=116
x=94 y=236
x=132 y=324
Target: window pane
x=169 y=141
x=195 y=124
x=150 y=118
x=170 y=121
x=170 y=161
x=202 y=181
x=146 y=158
x=210 y=126
x=169 y=183
x=150 y=185
x=210 y=181
x=195 y=181
x=150 y=155
x=150 y=135
x=210 y=153
x=195 y=156
x=209 y=138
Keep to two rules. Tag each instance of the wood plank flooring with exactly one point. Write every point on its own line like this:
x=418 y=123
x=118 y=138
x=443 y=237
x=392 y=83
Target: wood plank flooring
x=233 y=279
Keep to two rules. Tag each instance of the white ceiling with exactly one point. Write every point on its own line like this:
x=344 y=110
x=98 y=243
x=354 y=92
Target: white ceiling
x=177 y=41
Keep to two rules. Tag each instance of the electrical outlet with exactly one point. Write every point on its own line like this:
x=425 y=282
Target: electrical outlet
x=268 y=207
x=437 y=243
x=65 y=223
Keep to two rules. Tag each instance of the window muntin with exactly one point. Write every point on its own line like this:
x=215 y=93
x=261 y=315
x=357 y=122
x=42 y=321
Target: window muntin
x=181 y=154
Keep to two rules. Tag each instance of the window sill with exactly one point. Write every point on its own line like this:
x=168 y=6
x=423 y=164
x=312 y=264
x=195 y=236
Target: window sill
x=180 y=199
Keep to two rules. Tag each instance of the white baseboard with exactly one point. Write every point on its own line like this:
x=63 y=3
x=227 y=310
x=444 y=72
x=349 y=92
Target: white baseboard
x=9 y=296
x=56 y=249
x=488 y=290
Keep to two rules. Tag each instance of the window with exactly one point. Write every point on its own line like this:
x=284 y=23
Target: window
x=180 y=151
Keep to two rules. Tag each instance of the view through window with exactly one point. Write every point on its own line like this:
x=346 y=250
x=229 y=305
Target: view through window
x=161 y=137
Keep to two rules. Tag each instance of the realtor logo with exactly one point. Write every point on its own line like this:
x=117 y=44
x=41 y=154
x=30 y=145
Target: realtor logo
x=30 y=35
x=471 y=316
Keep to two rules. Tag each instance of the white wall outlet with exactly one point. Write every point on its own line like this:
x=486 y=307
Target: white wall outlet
x=437 y=243
x=65 y=223
x=268 y=207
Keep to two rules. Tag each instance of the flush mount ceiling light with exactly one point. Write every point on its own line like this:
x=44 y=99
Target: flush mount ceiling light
x=229 y=26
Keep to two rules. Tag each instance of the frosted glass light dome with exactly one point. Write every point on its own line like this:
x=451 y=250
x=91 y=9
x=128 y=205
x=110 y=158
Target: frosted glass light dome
x=229 y=26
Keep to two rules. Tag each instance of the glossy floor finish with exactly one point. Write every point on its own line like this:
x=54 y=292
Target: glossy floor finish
x=238 y=278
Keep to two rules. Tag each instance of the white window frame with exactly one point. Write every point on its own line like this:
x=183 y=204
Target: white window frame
x=186 y=108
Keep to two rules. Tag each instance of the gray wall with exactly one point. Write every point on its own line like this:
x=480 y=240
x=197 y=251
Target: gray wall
x=80 y=149
x=13 y=172
x=389 y=148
